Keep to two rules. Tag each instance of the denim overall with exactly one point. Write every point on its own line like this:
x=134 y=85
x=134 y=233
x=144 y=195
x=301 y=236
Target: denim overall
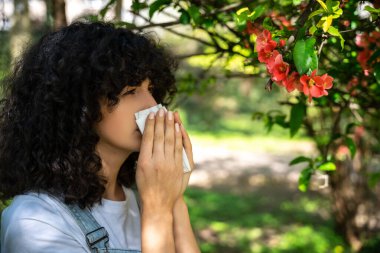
x=96 y=236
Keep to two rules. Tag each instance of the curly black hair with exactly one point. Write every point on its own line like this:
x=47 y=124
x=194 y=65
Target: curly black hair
x=51 y=101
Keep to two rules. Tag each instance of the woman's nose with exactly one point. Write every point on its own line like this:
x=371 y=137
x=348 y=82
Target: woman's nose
x=149 y=102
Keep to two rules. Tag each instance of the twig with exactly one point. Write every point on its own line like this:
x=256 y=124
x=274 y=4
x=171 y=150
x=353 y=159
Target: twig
x=190 y=37
x=324 y=41
x=165 y=24
x=183 y=56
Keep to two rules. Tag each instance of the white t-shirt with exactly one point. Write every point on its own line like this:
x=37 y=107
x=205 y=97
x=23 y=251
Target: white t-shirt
x=37 y=223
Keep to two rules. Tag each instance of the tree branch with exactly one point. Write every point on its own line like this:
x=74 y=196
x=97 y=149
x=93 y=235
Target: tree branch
x=184 y=56
x=165 y=24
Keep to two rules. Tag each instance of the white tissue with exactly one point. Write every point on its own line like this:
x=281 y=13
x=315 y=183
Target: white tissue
x=141 y=117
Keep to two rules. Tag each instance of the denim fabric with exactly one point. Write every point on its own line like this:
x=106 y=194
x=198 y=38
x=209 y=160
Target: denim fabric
x=103 y=250
x=96 y=235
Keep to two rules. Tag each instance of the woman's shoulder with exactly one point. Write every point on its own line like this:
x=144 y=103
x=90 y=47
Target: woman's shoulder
x=33 y=220
x=39 y=207
x=29 y=205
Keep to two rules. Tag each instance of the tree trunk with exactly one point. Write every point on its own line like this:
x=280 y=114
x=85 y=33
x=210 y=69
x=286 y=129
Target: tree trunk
x=20 y=31
x=355 y=206
x=59 y=14
x=118 y=10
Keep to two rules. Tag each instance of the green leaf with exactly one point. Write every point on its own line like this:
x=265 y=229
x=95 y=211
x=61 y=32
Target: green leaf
x=304 y=179
x=329 y=5
x=349 y=127
x=195 y=14
x=373 y=179
x=374 y=56
x=208 y=23
x=317 y=12
x=106 y=8
x=267 y=24
x=301 y=33
x=297 y=114
x=333 y=31
x=304 y=56
x=322 y=4
x=313 y=29
x=329 y=166
x=242 y=10
x=351 y=146
x=157 y=5
x=300 y=159
x=257 y=12
x=372 y=10
x=184 y=18
x=136 y=6
x=376 y=72
x=326 y=25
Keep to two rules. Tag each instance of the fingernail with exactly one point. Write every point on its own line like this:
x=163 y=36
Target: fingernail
x=161 y=112
x=176 y=127
x=170 y=115
x=151 y=115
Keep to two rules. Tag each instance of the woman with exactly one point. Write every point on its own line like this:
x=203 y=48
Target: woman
x=70 y=150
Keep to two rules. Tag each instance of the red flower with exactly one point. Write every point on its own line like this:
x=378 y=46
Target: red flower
x=279 y=69
x=363 y=57
x=309 y=86
x=324 y=82
x=264 y=41
x=271 y=61
x=316 y=86
x=265 y=55
x=292 y=82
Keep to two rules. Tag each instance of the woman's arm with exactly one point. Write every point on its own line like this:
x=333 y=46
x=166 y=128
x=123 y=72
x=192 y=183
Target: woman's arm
x=159 y=177
x=184 y=238
x=157 y=232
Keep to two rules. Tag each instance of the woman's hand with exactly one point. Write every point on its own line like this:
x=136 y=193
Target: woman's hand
x=159 y=172
x=188 y=149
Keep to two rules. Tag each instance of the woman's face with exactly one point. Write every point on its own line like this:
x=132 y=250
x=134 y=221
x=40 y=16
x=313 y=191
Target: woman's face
x=118 y=129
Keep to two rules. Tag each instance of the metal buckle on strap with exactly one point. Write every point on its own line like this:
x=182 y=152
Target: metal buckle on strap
x=105 y=236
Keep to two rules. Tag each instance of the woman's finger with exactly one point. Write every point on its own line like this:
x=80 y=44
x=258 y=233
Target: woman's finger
x=187 y=145
x=147 y=137
x=177 y=118
x=178 y=146
x=158 y=143
x=169 y=135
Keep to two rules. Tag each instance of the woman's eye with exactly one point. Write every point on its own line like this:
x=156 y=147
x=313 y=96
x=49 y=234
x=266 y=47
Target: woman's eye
x=130 y=92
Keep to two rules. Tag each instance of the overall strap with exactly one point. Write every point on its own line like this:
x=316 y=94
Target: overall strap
x=96 y=235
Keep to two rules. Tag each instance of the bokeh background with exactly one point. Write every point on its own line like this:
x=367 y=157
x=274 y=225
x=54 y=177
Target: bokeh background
x=243 y=195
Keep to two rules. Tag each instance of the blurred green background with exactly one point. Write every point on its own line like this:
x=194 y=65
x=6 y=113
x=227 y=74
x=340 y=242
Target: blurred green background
x=254 y=206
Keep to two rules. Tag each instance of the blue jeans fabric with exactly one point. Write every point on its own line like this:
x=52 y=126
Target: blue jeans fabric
x=96 y=235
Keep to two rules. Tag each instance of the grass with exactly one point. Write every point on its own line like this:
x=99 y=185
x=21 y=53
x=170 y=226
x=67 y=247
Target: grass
x=262 y=222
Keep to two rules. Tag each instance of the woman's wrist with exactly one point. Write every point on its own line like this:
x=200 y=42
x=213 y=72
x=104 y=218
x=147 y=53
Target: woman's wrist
x=180 y=205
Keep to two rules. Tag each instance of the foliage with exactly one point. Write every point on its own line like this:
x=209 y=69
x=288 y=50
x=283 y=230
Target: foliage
x=227 y=222
x=324 y=53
